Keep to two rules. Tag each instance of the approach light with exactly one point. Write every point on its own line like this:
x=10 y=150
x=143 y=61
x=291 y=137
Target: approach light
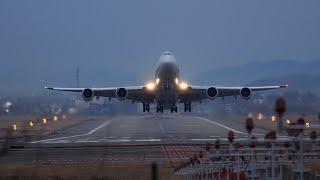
x=307 y=124
x=150 y=86
x=273 y=118
x=260 y=116
x=55 y=118
x=44 y=121
x=183 y=86
x=14 y=127
x=8 y=104
x=157 y=81
x=176 y=81
x=250 y=115
x=31 y=124
x=288 y=121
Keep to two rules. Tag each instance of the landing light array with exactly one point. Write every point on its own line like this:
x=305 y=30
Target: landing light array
x=152 y=85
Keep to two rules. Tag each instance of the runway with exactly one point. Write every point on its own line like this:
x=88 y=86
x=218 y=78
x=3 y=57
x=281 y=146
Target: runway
x=148 y=129
x=132 y=142
x=123 y=139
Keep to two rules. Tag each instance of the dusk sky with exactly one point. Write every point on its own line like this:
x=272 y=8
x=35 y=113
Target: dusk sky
x=41 y=38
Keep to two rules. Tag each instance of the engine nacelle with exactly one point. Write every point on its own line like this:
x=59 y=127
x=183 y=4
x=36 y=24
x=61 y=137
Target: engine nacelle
x=245 y=93
x=121 y=93
x=87 y=94
x=212 y=92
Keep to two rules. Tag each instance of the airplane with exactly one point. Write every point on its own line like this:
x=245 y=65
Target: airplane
x=166 y=90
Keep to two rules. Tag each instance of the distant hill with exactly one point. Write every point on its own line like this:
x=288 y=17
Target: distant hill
x=296 y=73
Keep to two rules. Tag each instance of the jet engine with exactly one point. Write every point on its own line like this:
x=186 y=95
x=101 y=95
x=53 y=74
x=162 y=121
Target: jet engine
x=87 y=94
x=245 y=93
x=212 y=92
x=121 y=93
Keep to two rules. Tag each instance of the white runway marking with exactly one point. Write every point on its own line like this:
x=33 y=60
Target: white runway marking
x=147 y=140
x=164 y=131
x=79 y=135
x=86 y=141
x=220 y=125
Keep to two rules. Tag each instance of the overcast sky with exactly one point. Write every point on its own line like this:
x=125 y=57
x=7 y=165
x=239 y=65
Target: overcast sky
x=46 y=37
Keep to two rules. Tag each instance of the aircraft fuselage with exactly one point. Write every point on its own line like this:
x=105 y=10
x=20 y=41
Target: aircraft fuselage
x=167 y=75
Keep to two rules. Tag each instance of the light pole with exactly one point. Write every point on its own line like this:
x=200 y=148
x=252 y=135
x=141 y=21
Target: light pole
x=280 y=108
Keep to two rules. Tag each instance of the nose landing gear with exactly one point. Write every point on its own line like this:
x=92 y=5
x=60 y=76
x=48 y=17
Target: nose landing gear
x=160 y=109
x=187 y=107
x=174 y=109
x=146 y=107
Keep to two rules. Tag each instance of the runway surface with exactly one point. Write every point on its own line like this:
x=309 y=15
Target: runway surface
x=147 y=129
x=126 y=140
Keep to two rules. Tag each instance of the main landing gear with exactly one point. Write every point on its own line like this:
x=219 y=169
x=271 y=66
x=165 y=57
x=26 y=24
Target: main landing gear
x=146 y=107
x=187 y=107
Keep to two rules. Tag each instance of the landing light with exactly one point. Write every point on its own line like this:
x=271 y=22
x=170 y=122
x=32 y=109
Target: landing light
x=183 y=85
x=176 y=80
x=150 y=86
x=31 y=124
x=157 y=81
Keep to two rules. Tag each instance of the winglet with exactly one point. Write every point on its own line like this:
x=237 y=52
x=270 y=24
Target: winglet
x=47 y=88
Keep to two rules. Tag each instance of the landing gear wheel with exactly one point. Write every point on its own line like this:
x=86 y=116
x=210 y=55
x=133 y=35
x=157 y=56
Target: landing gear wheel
x=146 y=107
x=174 y=109
x=187 y=107
x=160 y=109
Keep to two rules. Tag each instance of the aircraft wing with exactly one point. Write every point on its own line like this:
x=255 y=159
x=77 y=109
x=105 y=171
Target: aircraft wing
x=134 y=93
x=198 y=93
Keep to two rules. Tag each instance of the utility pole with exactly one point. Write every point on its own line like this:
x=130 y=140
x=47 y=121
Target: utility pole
x=280 y=108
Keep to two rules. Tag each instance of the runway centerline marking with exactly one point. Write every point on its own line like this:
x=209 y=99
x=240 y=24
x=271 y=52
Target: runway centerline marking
x=221 y=125
x=163 y=131
x=78 y=135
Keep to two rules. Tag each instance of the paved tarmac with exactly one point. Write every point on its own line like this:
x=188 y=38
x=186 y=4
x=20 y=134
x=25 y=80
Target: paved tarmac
x=122 y=139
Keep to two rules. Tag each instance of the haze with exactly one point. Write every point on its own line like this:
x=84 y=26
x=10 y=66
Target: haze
x=116 y=42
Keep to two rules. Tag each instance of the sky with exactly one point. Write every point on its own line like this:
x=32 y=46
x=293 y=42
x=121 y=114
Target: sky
x=42 y=42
